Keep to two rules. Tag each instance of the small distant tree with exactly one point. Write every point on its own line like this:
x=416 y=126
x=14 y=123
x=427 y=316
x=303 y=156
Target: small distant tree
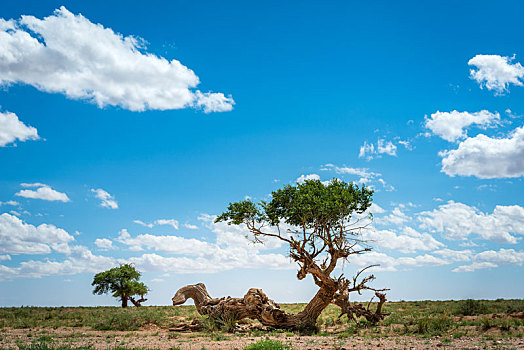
x=122 y=282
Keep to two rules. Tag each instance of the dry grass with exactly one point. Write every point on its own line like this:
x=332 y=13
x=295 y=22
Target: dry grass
x=66 y=327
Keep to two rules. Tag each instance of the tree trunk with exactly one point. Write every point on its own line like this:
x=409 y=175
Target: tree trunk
x=124 y=302
x=138 y=302
x=255 y=305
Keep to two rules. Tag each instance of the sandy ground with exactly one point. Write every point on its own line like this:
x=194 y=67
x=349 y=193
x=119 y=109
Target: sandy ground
x=162 y=339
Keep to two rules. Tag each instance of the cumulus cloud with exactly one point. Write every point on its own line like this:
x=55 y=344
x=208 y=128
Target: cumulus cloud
x=455 y=255
x=106 y=200
x=486 y=157
x=12 y=129
x=18 y=237
x=409 y=242
x=376 y=209
x=66 y=53
x=231 y=249
x=451 y=126
x=302 y=178
x=214 y=102
x=165 y=243
x=493 y=259
x=185 y=265
x=369 y=150
x=389 y=263
x=457 y=221
x=496 y=72
x=79 y=260
x=104 y=243
x=43 y=191
x=397 y=217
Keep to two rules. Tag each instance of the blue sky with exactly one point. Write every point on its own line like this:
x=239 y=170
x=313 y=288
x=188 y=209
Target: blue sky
x=125 y=126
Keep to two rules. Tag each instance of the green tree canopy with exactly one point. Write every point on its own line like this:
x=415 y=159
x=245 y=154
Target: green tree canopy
x=122 y=282
x=321 y=223
x=321 y=217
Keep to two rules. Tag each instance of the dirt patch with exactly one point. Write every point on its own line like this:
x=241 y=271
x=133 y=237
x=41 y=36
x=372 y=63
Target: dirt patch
x=164 y=339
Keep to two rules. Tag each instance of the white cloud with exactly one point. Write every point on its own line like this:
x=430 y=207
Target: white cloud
x=214 y=102
x=66 y=53
x=191 y=227
x=496 y=72
x=184 y=265
x=369 y=150
x=366 y=148
x=451 y=126
x=458 y=221
x=17 y=237
x=302 y=178
x=388 y=263
x=397 y=217
x=486 y=157
x=386 y=147
x=43 y=191
x=168 y=244
x=407 y=144
x=231 y=249
x=32 y=185
x=376 y=209
x=421 y=260
x=493 y=259
x=10 y=203
x=409 y=242
x=362 y=172
x=140 y=222
x=171 y=222
x=79 y=260
x=12 y=129
x=107 y=200
x=366 y=177
x=5 y=257
x=455 y=255
x=104 y=243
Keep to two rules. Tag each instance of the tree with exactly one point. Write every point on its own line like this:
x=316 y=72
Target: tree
x=321 y=224
x=121 y=282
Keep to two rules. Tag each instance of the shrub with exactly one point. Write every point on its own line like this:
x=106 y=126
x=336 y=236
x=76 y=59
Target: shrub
x=471 y=307
x=268 y=345
x=434 y=326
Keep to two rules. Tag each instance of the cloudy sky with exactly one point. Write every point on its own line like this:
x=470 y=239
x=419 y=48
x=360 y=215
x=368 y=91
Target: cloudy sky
x=125 y=127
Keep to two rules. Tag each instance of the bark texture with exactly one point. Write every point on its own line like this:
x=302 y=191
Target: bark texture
x=256 y=305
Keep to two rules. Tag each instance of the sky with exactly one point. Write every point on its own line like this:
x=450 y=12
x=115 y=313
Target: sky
x=126 y=127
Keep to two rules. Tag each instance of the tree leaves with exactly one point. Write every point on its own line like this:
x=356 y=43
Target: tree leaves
x=122 y=282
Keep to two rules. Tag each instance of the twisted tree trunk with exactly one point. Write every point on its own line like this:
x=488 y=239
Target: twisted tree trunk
x=138 y=302
x=256 y=305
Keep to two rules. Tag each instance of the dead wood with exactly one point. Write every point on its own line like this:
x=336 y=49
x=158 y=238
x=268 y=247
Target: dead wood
x=257 y=306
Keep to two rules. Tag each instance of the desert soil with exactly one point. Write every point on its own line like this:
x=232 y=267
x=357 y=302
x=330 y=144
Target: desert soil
x=163 y=339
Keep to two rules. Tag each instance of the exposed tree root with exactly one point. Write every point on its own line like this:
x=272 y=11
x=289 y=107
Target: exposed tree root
x=256 y=305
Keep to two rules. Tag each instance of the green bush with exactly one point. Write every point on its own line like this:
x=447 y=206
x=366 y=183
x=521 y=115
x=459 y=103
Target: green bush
x=471 y=307
x=268 y=344
x=433 y=326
